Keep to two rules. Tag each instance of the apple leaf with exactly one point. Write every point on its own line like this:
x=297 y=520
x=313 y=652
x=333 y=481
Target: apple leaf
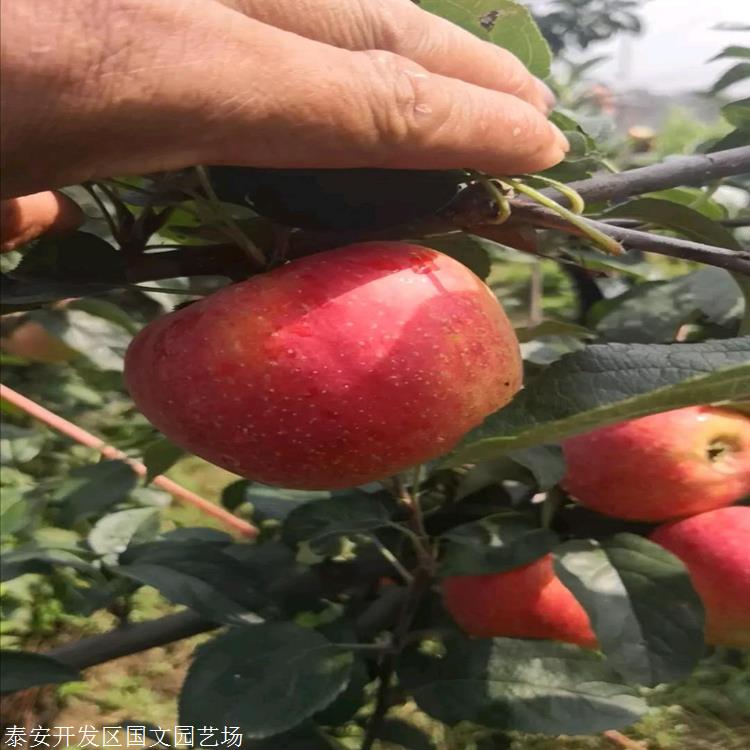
x=526 y=686
x=20 y=670
x=160 y=456
x=608 y=383
x=653 y=312
x=738 y=72
x=507 y=23
x=678 y=217
x=264 y=679
x=268 y=503
x=643 y=608
x=400 y=735
x=113 y=533
x=495 y=543
x=341 y=199
x=88 y=490
x=465 y=249
x=319 y=522
x=198 y=575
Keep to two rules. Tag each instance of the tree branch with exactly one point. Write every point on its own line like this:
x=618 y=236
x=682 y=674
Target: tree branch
x=679 y=170
x=131 y=639
x=473 y=208
x=633 y=239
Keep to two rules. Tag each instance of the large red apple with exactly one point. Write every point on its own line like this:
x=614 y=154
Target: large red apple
x=715 y=548
x=669 y=465
x=526 y=602
x=331 y=371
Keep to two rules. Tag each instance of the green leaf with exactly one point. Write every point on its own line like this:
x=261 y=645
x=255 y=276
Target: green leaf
x=160 y=456
x=339 y=199
x=736 y=73
x=30 y=559
x=465 y=249
x=19 y=444
x=268 y=503
x=696 y=198
x=675 y=216
x=542 y=465
x=400 y=735
x=645 y=613
x=506 y=23
x=495 y=543
x=20 y=670
x=264 y=679
x=16 y=511
x=738 y=113
x=321 y=521
x=113 y=534
x=734 y=50
x=653 y=312
x=608 y=383
x=201 y=576
x=526 y=686
x=89 y=490
x=54 y=268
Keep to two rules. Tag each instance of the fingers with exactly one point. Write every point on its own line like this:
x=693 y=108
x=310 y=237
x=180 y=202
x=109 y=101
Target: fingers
x=402 y=27
x=24 y=219
x=325 y=107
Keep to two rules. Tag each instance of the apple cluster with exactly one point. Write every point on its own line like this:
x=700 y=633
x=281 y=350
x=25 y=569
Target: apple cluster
x=352 y=365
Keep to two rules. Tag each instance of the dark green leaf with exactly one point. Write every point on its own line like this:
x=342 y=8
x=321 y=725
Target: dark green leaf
x=677 y=217
x=160 y=456
x=112 y=534
x=338 y=198
x=645 y=613
x=19 y=444
x=653 y=312
x=525 y=686
x=507 y=23
x=496 y=543
x=89 y=490
x=58 y=267
x=465 y=249
x=738 y=113
x=268 y=503
x=22 y=669
x=320 y=521
x=401 y=735
x=736 y=73
x=263 y=678
x=199 y=575
x=30 y=559
x=16 y=511
x=608 y=383
x=696 y=198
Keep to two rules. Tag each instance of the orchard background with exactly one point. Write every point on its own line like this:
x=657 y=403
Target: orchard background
x=321 y=599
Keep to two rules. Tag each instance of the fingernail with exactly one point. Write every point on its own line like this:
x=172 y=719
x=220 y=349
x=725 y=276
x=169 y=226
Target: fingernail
x=560 y=139
x=547 y=95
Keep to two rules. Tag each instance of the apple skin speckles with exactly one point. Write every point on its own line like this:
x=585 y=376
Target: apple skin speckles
x=331 y=371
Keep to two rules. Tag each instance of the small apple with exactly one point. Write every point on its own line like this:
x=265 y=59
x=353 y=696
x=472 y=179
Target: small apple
x=331 y=371
x=668 y=465
x=715 y=548
x=526 y=602
x=27 y=338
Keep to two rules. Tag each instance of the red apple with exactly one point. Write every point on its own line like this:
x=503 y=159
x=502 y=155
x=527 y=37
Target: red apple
x=526 y=602
x=669 y=465
x=715 y=548
x=331 y=371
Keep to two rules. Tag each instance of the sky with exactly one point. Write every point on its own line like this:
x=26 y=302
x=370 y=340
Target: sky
x=671 y=54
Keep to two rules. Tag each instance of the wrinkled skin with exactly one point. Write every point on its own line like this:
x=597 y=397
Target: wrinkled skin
x=663 y=466
x=331 y=371
x=715 y=548
x=527 y=602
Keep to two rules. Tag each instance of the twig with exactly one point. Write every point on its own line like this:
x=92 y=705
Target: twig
x=679 y=170
x=80 y=435
x=131 y=639
x=633 y=239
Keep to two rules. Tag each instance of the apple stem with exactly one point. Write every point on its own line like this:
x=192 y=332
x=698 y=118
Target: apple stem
x=497 y=195
x=577 y=204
